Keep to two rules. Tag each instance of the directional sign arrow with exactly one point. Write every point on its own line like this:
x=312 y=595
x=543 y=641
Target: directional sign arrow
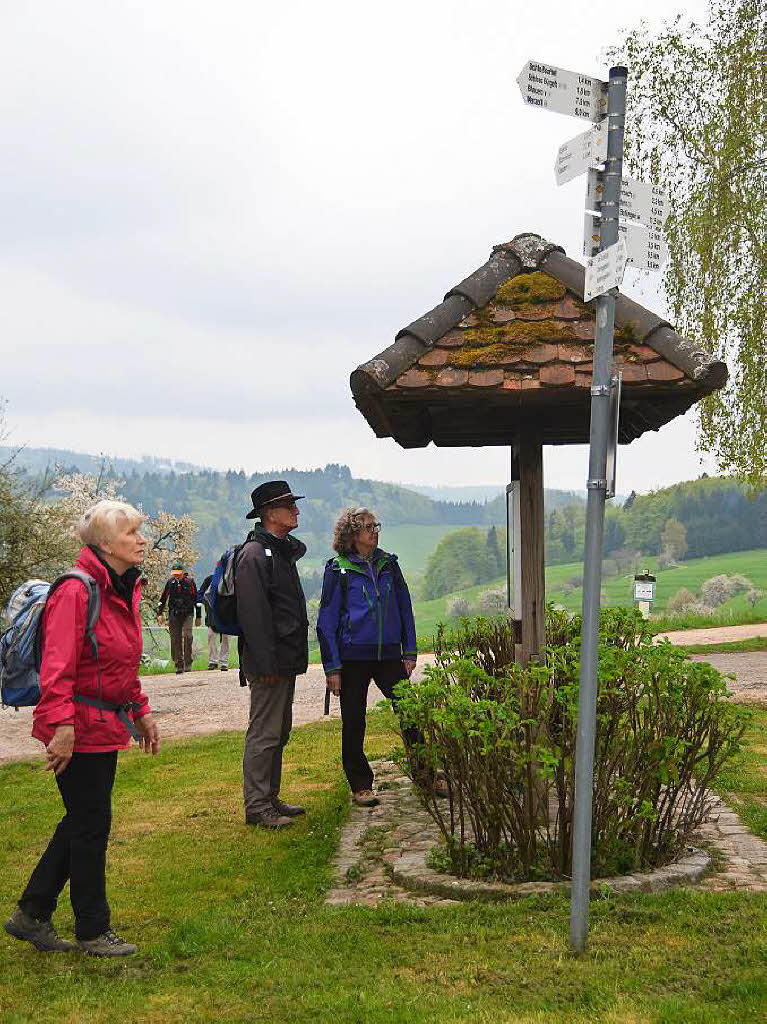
x=605 y=270
x=577 y=155
x=565 y=92
x=639 y=201
x=645 y=249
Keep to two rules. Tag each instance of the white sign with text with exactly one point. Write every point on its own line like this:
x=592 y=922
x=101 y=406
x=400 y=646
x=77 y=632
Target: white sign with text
x=605 y=270
x=645 y=249
x=565 y=92
x=639 y=200
x=579 y=154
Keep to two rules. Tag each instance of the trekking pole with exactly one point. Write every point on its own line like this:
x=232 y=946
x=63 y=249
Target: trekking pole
x=327 y=700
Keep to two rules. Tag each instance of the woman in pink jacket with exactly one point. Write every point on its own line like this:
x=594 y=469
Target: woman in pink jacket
x=82 y=739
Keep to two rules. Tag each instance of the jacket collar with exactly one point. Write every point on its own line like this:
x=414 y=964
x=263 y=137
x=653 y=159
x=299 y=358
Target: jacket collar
x=378 y=559
x=89 y=561
x=289 y=547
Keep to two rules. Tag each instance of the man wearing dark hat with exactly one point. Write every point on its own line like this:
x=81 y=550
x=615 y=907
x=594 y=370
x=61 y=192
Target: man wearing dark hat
x=274 y=648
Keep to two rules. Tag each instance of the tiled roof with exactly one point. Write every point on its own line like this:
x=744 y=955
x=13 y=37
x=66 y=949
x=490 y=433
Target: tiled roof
x=515 y=341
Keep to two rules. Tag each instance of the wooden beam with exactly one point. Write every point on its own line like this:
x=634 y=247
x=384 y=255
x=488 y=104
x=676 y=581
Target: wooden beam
x=529 y=451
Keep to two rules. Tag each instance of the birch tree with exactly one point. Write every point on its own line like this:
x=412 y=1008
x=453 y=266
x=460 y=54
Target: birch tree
x=696 y=124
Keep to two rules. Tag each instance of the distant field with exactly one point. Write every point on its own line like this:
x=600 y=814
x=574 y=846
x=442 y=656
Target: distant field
x=411 y=542
x=619 y=589
x=414 y=544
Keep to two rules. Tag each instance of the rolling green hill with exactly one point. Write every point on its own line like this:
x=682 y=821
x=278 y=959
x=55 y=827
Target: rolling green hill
x=619 y=589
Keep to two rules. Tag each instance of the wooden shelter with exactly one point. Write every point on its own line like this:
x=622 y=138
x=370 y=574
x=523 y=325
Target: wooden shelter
x=506 y=359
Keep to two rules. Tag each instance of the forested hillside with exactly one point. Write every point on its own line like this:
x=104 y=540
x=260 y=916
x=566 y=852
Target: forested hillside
x=694 y=519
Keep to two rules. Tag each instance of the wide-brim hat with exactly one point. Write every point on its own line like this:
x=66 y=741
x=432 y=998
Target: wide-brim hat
x=269 y=494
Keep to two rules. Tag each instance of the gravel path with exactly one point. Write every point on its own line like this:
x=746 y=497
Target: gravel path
x=198 y=703
x=194 y=704
x=715 y=634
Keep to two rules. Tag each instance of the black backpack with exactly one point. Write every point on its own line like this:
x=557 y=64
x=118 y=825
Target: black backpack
x=182 y=596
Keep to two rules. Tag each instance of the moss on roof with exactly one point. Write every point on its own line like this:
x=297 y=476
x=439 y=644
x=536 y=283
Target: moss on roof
x=523 y=332
x=529 y=290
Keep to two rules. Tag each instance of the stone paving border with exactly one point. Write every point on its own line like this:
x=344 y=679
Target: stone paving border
x=383 y=850
x=411 y=872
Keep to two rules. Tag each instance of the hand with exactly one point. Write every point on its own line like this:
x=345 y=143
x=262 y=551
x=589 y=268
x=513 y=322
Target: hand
x=408 y=664
x=150 y=734
x=269 y=680
x=159 y=620
x=333 y=681
x=59 y=750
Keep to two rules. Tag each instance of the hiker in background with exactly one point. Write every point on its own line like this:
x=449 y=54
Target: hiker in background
x=218 y=643
x=180 y=593
x=366 y=631
x=274 y=647
x=87 y=700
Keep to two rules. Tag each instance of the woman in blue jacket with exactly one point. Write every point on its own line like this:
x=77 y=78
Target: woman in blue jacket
x=366 y=632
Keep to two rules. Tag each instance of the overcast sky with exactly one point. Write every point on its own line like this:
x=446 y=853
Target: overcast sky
x=212 y=212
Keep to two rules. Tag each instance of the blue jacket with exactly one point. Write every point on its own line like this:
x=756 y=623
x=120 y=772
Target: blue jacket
x=370 y=616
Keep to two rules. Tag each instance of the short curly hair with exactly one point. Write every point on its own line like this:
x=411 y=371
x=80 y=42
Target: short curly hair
x=349 y=523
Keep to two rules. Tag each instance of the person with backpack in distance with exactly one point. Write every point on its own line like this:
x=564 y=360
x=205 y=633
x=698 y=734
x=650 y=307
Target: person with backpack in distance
x=218 y=643
x=273 y=646
x=366 y=632
x=180 y=593
x=90 y=704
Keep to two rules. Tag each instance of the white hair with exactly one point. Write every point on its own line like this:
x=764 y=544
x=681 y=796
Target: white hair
x=102 y=521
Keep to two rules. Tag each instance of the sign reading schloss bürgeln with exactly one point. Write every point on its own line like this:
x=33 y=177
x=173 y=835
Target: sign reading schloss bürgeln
x=565 y=92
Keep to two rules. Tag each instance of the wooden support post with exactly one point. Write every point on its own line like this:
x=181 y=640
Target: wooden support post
x=529 y=452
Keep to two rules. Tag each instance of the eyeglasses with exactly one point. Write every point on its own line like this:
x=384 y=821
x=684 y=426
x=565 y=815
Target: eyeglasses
x=373 y=527
x=284 y=504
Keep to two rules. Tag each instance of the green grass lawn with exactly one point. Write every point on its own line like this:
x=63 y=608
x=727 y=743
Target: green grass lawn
x=232 y=926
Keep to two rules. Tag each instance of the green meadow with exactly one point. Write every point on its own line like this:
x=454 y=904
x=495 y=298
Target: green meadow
x=618 y=590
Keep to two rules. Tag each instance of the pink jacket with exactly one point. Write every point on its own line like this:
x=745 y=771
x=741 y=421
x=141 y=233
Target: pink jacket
x=68 y=665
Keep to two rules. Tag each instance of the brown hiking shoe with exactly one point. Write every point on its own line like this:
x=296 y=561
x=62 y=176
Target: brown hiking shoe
x=107 y=944
x=41 y=934
x=287 y=810
x=269 y=819
x=365 y=798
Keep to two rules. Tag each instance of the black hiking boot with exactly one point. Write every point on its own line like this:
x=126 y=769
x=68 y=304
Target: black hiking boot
x=286 y=810
x=41 y=934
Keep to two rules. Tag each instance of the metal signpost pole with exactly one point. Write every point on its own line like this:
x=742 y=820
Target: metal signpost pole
x=595 y=511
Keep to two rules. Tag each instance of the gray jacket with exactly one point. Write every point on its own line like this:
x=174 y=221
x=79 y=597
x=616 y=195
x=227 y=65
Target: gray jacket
x=271 y=607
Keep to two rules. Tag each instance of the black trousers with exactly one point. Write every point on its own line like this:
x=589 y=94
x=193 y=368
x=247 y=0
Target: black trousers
x=77 y=851
x=355 y=681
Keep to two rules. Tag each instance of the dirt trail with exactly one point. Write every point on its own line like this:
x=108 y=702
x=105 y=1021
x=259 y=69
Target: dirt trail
x=715 y=634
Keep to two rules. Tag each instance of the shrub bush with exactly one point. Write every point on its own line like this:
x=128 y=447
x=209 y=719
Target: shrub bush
x=493 y=602
x=681 y=600
x=458 y=607
x=718 y=589
x=505 y=738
